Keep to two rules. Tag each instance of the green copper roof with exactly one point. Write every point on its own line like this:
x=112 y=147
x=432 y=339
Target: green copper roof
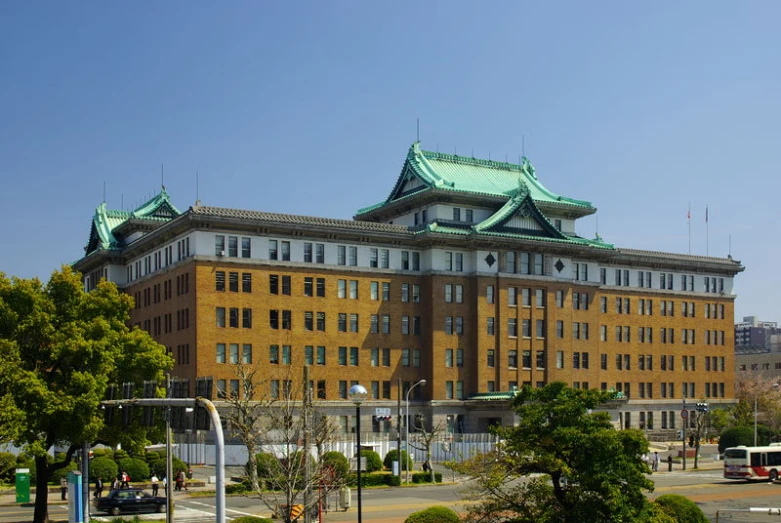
x=493 y=396
x=105 y=221
x=472 y=175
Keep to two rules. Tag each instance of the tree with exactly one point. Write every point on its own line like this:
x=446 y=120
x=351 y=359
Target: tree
x=287 y=425
x=574 y=464
x=424 y=440
x=59 y=349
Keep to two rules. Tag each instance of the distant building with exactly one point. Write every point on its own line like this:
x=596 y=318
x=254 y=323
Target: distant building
x=469 y=275
x=752 y=332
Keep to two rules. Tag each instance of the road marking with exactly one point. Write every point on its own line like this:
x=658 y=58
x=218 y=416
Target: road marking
x=213 y=508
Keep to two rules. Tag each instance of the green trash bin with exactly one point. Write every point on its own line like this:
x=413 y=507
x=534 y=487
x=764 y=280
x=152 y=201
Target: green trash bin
x=22 y=485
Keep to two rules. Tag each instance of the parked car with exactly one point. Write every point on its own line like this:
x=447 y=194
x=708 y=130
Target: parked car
x=131 y=500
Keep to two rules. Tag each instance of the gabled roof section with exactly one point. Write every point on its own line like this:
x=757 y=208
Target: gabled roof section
x=106 y=221
x=425 y=170
x=520 y=215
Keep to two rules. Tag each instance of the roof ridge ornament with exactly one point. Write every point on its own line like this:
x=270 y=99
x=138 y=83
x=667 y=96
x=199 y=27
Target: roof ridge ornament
x=527 y=168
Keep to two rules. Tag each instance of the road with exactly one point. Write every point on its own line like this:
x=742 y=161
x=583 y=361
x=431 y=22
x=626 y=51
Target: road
x=391 y=505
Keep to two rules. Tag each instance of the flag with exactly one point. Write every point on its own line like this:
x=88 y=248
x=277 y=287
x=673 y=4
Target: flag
x=706 y=214
x=689 y=215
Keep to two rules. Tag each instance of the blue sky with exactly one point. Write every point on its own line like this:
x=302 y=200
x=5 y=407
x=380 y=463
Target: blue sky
x=310 y=107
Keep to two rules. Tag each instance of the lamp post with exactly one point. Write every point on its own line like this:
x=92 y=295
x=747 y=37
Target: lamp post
x=406 y=426
x=358 y=395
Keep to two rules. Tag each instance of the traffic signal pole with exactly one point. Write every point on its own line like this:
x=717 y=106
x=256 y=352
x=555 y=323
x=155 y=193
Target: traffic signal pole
x=685 y=422
x=220 y=439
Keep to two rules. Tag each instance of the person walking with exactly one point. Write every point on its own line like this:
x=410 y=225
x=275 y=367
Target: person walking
x=669 y=462
x=63 y=489
x=155 y=485
x=99 y=487
x=656 y=462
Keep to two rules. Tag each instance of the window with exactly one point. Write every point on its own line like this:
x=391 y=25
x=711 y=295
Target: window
x=233 y=246
x=490 y=326
x=220 y=316
x=321 y=321
x=321 y=355
x=272 y=250
x=491 y=357
x=220 y=353
x=489 y=294
x=285 y=251
x=416 y=293
x=273 y=319
x=353 y=289
x=234 y=353
x=233 y=281
x=286 y=290
x=512 y=359
x=219 y=245
x=386 y=323
x=342 y=322
x=341 y=289
x=342 y=356
x=353 y=323
x=287 y=320
x=374 y=324
x=559 y=359
x=219 y=279
x=308 y=253
x=341 y=255
x=246 y=318
x=309 y=321
x=385 y=291
x=246 y=282
x=404 y=292
x=459 y=325
x=273 y=284
x=384 y=258
x=510 y=262
x=246 y=353
x=448 y=357
x=512 y=296
x=374 y=258
x=456 y=214
x=352 y=256
x=512 y=327
x=321 y=287
x=309 y=287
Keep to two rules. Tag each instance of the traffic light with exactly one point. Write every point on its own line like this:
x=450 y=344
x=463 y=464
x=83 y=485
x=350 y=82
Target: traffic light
x=702 y=407
x=127 y=410
x=680 y=434
x=203 y=389
x=179 y=389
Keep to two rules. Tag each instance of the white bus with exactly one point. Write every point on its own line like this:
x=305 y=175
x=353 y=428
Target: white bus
x=753 y=463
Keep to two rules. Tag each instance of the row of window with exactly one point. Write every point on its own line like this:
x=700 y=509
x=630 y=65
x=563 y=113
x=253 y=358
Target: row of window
x=162 y=292
x=158 y=260
x=235 y=353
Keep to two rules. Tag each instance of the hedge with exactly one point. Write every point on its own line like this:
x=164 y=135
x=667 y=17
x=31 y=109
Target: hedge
x=425 y=477
x=392 y=456
x=372 y=459
x=435 y=514
x=681 y=508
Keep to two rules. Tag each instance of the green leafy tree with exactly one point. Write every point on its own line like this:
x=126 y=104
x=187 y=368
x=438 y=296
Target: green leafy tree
x=59 y=349
x=574 y=464
x=734 y=436
x=681 y=508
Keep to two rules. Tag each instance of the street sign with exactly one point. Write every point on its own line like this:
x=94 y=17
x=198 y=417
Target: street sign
x=684 y=413
x=379 y=411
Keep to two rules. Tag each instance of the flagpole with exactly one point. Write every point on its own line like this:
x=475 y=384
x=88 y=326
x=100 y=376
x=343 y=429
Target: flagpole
x=707 y=235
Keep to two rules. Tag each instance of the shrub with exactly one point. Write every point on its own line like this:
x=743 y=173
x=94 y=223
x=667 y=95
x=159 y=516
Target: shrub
x=435 y=514
x=338 y=462
x=103 y=452
x=268 y=465
x=734 y=436
x=7 y=467
x=104 y=467
x=393 y=481
x=136 y=468
x=60 y=473
x=368 y=479
x=151 y=455
x=23 y=461
x=372 y=459
x=236 y=488
x=120 y=454
x=425 y=477
x=251 y=519
x=681 y=508
x=392 y=456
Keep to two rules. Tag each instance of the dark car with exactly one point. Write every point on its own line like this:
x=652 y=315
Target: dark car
x=130 y=500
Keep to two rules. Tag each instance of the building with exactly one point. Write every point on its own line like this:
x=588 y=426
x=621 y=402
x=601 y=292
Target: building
x=470 y=275
x=752 y=332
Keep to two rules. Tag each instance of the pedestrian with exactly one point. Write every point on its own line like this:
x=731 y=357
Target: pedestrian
x=656 y=462
x=155 y=486
x=165 y=485
x=125 y=480
x=99 y=487
x=426 y=466
x=63 y=489
x=669 y=462
x=116 y=484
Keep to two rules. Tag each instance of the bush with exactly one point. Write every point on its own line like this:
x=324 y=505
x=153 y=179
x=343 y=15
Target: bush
x=392 y=456
x=120 y=454
x=7 y=467
x=60 y=473
x=236 y=488
x=734 y=436
x=368 y=479
x=338 y=462
x=105 y=468
x=425 y=477
x=136 y=468
x=152 y=455
x=23 y=461
x=372 y=459
x=435 y=514
x=392 y=481
x=251 y=519
x=681 y=508
x=268 y=465
x=103 y=452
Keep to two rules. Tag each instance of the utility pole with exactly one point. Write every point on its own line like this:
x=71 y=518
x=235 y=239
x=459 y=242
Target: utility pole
x=684 y=422
x=169 y=459
x=307 y=468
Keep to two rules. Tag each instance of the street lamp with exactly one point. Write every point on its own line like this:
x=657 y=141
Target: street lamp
x=406 y=440
x=358 y=395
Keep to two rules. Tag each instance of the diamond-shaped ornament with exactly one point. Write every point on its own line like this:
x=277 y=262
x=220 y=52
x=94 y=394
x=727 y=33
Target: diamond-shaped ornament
x=490 y=260
x=559 y=266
